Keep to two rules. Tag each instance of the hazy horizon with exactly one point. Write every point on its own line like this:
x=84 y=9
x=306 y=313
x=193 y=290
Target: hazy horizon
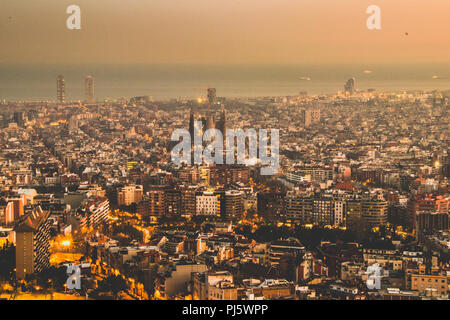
x=166 y=81
x=167 y=49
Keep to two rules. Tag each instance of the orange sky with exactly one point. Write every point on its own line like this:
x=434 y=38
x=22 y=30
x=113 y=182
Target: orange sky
x=224 y=31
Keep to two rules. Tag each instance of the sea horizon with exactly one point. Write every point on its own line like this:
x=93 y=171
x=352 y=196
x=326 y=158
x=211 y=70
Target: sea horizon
x=37 y=82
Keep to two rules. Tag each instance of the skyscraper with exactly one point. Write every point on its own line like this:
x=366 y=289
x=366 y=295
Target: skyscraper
x=89 y=89
x=350 y=86
x=32 y=243
x=60 y=89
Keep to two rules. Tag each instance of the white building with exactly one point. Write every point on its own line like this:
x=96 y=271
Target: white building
x=130 y=194
x=207 y=204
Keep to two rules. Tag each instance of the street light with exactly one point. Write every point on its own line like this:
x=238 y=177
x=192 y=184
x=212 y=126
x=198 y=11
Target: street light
x=66 y=243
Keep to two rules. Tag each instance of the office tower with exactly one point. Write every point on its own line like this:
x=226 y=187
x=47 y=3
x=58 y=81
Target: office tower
x=60 y=89
x=32 y=243
x=89 y=89
x=349 y=87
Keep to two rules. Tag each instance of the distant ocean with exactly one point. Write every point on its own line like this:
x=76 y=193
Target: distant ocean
x=162 y=82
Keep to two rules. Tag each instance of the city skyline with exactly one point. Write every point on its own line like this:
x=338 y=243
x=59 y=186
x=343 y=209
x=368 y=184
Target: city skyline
x=235 y=151
x=162 y=82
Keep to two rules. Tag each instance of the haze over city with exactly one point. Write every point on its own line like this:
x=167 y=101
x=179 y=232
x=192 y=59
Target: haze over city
x=261 y=154
x=223 y=32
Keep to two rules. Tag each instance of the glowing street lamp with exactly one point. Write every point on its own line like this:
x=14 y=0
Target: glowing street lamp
x=66 y=243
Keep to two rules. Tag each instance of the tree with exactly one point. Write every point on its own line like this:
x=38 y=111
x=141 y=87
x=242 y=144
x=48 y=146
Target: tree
x=57 y=277
x=114 y=284
x=7 y=260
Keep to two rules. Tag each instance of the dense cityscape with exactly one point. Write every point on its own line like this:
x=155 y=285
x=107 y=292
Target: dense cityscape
x=359 y=208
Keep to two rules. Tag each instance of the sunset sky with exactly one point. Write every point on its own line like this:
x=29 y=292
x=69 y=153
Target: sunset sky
x=224 y=31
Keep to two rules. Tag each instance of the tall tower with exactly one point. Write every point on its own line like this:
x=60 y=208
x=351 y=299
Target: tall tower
x=32 y=243
x=350 y=86
x=89 y=89
x=60 y=89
